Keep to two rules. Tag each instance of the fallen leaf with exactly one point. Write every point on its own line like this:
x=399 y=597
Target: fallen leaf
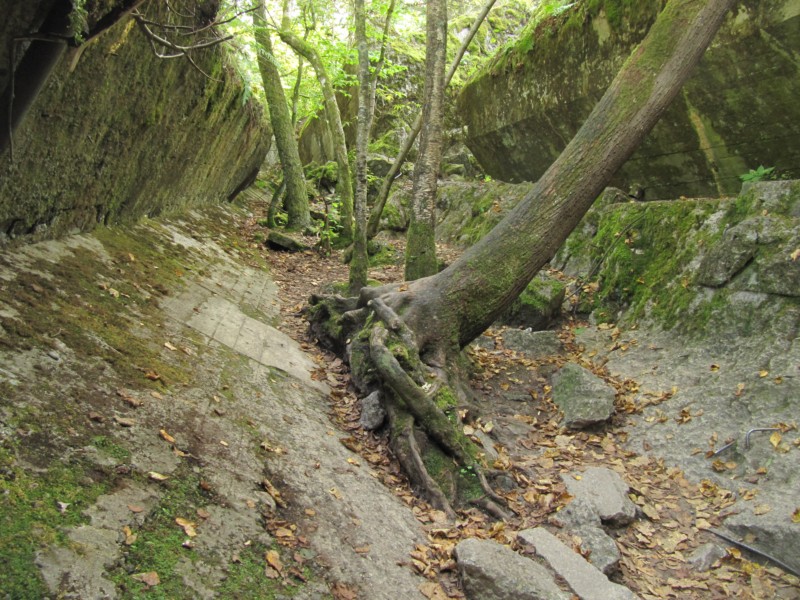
x=795 y=254
x=354 y=462
x=167 y=437
x=763 y=373
x=272 y=491
x=134 y=402
x=150 y=579
x=283 y=532
x=169 y=346
x=152 y=375
x=135 y=508
x=341 y=591
x=130 y=537
x=762 y=509
x=124 y=421
x=274 y=560
x=796 y=515
x=157 y=476
x=271 y=573
x=775 y=439
x=362 y=549
x=335 y=493
x=188 y=526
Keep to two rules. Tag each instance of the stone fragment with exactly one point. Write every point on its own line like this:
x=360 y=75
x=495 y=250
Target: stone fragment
x=490 y=571
x=585 y=580
x=280 y=241
x=772 y=532
x=538 y=304
x=705 y=556
x=584 y=398
x=373 y=414
x=580 y=519
x=536 y=344
x=605 y=492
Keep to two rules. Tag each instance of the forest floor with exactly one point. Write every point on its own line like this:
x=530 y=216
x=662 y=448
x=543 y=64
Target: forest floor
x=169 y=430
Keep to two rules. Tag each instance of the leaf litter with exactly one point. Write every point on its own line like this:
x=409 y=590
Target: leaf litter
x=655 y=548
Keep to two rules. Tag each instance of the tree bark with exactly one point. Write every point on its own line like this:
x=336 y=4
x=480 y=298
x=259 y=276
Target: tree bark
x=420 y=243
x=466 y=298
x=334 y=121
x=359 y=264
x=296 y=202
x=386 y=186
x=426 y=322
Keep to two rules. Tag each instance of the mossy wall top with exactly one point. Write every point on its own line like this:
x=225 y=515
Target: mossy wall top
x=125 y=134
x=738 y=111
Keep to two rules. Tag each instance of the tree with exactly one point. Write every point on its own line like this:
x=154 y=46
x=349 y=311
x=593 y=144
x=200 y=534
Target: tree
x=386 y=186
x=296 y=202
x=333 y=119
x=360 y=262
x=406 y=338
x=420 y=242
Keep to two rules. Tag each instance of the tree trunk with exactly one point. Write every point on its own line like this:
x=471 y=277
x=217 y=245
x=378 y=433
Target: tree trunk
x=420 y=243
x=296 y=202
x=360 y=262
x=334 y=120
x=386 y=186
x=431 y=319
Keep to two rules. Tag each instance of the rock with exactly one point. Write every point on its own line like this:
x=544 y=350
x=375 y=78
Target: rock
x=379 y=165
x=490 y=571
x=585 y=580
x=536 y=344
x=705 y=556
x=584 y=398
x=774 y=532
x=605 y=492
x=287 y=243
x=538 y=305
x=582 y=520
x=373 y=414
x=729 y=257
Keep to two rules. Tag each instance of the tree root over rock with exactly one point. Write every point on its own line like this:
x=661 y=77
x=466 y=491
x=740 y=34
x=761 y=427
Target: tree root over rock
x=440 y=461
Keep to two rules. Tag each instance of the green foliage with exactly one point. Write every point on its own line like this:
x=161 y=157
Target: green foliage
x=759 y=174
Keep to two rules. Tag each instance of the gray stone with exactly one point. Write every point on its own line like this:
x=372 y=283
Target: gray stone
x=280 y=241
x=704 y=557
x=536 y=344
x=581 y=520
x=605 y=492
x=538 y=304
x=585 y=580
x=373 y=414
x=490 y=571
x=727 y=258
x=584 y=398
x=773 y=533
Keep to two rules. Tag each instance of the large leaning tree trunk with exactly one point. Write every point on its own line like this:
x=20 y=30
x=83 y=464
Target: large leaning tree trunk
x=334 y=121
x=406 y=338
x=293 y=180
x=386 y=186
x=420 y=241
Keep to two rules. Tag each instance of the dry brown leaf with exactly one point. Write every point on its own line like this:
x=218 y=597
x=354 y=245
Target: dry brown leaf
x=150 y=579
x=274 y=560
x=166 y=437
x=157 y=476
x=135 y=508
x=272 y=491
x=762 y=509
x=130 y=537
x=188 y=526
x=125 y=421
x=169 y=346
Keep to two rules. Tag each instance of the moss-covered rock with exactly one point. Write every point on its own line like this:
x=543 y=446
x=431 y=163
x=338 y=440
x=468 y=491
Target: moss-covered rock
x=117 y=134
x=530 y=101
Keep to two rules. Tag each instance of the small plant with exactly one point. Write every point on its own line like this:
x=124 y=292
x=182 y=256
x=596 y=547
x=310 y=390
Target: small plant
x=759 y=174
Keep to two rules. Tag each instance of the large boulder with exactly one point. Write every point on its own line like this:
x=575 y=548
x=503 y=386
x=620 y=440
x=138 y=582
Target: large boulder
x=525 y=106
